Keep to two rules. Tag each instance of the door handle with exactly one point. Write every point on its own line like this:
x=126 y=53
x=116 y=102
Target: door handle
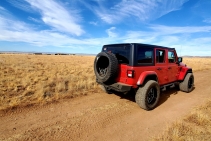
x=169 y=68
x=159 y=69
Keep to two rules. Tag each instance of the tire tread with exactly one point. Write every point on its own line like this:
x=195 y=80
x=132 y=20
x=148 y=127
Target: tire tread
x=142 y=92
x=184 y=84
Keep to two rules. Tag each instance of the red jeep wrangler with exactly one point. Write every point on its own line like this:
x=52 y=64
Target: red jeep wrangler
x=147 y=69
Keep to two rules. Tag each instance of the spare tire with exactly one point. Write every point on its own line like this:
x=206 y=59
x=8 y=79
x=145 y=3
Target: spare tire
x=105 y=67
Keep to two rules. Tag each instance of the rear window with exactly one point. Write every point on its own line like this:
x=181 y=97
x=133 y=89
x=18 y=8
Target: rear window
x=122 y=52
x=144 y=55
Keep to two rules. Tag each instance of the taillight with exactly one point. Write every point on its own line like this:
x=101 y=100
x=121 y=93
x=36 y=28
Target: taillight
x=130 y=73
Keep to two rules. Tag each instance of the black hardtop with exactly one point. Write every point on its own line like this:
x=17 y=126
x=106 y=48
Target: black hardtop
x=139 y=44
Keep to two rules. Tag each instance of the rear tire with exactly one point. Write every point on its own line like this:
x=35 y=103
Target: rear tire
x=187 y=84
x=147 y=97
x=105 y=67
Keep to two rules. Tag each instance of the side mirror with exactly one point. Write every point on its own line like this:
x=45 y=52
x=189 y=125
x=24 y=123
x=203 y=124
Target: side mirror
x=179 y=60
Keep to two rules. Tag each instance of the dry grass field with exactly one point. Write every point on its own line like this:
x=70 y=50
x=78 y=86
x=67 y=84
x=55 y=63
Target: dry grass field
x=198 y=64
x=39 y=79
x=195 y=126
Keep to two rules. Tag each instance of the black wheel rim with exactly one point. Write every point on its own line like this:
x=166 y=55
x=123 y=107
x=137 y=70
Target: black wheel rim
x=152 y=96
x=102 y=72
x=190 y=83
x=102 y=66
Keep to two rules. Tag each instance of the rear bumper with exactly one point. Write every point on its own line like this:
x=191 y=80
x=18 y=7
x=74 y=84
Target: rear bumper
x=119 y=87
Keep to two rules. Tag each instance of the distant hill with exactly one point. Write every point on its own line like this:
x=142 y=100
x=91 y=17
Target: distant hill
x=196 y=56
x=45 y=53
x=82 y=54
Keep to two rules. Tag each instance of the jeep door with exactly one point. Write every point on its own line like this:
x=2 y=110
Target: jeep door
x=172 y=66
x=161 y=65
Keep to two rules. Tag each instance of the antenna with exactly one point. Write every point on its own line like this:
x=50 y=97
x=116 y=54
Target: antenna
x=180 y=51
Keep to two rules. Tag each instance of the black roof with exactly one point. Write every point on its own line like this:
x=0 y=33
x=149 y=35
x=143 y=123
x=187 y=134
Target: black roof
x=152 y=46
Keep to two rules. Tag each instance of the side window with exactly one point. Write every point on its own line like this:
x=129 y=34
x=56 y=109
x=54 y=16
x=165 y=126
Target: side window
x=145 y=55
x=171 y=57
x=160 y=56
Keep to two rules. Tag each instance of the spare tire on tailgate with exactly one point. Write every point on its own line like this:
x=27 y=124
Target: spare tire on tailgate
x=105 y=67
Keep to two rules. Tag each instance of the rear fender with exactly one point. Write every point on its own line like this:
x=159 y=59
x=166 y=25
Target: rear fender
x=183 y=72
x=151 y=75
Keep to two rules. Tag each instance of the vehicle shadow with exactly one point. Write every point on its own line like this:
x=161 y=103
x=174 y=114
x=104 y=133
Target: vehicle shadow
x=164 y=95
x=129 y=96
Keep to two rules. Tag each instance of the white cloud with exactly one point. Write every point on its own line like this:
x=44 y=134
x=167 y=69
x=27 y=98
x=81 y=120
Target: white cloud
x=56 y=16
x=34 y=19
x=169 y=35
x=93 y=23
x=111 y=32
x=4 y=12
x=17 y=31
x=12 y=25
x=207 y=20
x=2 y=8
x=21 y=4
x=180 y=30
x=140 y=9
x=178 y=37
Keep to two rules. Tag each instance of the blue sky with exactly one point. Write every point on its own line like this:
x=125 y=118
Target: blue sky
x=83 y=26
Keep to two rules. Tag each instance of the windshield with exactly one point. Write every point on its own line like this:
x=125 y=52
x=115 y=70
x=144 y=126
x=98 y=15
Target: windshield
x=122 y=52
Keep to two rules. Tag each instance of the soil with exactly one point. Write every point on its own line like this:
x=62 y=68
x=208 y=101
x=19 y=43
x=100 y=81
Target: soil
x=101 y=116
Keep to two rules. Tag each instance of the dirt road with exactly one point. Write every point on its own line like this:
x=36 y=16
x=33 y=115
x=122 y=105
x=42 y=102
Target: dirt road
x=102 y=117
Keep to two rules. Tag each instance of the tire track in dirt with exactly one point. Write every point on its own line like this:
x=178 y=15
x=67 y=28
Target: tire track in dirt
x=65 y=114
x=102 y=117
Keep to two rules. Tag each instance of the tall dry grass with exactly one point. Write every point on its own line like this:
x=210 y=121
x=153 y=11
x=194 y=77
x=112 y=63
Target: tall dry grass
x=198 y=64
x=35 y=79
x=194 y=127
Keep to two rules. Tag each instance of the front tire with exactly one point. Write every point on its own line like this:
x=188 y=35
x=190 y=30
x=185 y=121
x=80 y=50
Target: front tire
x=147 y=97
x=187 y=84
